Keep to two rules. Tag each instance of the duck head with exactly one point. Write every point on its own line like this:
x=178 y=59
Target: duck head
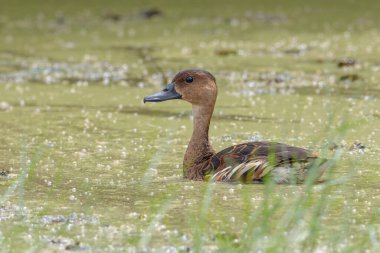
x=197 y=87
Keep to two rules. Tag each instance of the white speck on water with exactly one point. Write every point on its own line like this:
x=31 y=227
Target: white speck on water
x=133 y=215
x=188 y=187
x=123 y=154
x=83 y=153
x=5 y=106
x=153 y=171
x=141 y=85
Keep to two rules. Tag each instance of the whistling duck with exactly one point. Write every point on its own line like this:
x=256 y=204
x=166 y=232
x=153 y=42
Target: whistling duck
x=247 y=162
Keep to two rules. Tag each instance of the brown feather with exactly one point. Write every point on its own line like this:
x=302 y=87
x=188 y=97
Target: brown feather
x=251 y=162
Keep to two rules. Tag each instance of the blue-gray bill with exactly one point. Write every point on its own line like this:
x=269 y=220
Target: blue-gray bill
x=166 y=94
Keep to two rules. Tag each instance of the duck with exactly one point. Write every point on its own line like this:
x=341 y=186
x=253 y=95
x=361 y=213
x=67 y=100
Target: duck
x=250 y=162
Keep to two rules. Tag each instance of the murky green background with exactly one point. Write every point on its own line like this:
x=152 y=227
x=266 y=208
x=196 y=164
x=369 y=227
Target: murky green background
x=85 y=165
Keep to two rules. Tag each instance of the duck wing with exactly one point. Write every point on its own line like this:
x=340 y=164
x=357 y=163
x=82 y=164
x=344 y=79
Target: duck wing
x=253 y=161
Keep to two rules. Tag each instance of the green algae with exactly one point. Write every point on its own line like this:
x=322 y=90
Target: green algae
x=87 y=166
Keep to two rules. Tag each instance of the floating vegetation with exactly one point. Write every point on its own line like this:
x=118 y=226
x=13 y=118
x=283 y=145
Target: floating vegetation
x=347 y=62
x=145 y=14
x=150 y=13
x=96 y=178
x=73 y=218
x=12 y=211
x=68 y=244
x=226 y=51
x=349 y=78
x=296 y=51
x=357 y=146
x=112 y=16
x=48 y=72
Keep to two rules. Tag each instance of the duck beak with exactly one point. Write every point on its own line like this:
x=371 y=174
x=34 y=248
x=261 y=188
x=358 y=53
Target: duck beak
x=166 y=94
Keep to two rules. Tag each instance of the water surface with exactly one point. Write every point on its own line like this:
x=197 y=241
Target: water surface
x=86 y=165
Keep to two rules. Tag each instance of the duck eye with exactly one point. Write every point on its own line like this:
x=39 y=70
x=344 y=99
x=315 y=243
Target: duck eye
x=189 y=79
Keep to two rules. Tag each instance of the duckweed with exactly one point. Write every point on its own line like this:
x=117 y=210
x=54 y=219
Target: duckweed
x=85 y=166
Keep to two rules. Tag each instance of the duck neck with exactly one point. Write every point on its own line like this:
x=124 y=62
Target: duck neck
x=199 y=149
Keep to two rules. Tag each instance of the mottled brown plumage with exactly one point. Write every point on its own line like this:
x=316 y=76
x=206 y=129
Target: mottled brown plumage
x=247 y=162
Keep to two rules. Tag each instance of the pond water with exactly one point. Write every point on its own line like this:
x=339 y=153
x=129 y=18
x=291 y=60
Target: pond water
x=85 y=165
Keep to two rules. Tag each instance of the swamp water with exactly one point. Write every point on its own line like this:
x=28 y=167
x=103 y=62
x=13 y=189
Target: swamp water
x=86 y=166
